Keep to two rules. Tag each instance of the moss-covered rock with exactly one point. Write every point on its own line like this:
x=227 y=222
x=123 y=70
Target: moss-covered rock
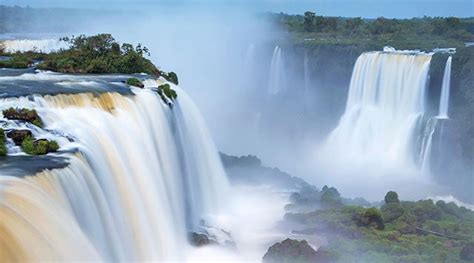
x=3 y=147
x=170 y=76
x=38 y=147
x=18 y=136
x=23 y=115
x=135 y=82
x=167 y=94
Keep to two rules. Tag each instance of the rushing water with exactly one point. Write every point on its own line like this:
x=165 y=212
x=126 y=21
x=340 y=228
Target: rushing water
x=444 y=100
x=143 y=176
x=385 y=106
x=275 y=81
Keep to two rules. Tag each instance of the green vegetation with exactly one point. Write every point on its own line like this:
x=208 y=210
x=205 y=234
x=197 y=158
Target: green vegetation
x=416 y=33
x=3 y=147
x=99 y=54
x=23 y=115
x=171 y=77
x=38 y=147
x=167 y=94
x=134 y=82
x=401 y=231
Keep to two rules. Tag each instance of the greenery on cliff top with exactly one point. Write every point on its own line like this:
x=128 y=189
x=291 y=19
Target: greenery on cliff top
x=398 y=231
x=416 y=33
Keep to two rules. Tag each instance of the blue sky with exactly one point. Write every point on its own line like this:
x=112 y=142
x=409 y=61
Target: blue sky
x=363 y=8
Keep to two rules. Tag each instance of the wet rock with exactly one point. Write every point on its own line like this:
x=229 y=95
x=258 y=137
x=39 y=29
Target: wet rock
x=23 y=115
x=199 y=239
x=18 y=136
x=294 y=251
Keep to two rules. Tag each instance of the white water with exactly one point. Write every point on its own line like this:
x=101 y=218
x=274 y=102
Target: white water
x=275 y=81
x=40 y=45
x=307 y=80
x=385 y=105
x=145 y=175
x=444 y=99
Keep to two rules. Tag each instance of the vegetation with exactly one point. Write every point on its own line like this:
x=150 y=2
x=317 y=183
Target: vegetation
x=166 y=93
x=99 y=54
x=3 y=147
x=416 y=33
x=38 y=147
x=171 y=77
x=23 y=115
x=134 y=82
x=400 y=231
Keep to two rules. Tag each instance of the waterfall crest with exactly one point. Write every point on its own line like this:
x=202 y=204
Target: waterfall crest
x=143 y=175
x=384 y=107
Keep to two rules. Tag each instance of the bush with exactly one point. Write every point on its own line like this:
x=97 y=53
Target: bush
x=134 y=82
x=370 y=217
x=171 y=77
x=392 y=211
x=3 y=147
x=38 y=147
x=166 y=93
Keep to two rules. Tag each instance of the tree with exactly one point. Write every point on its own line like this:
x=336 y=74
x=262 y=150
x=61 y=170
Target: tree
x=391 y=197
x=309 y=18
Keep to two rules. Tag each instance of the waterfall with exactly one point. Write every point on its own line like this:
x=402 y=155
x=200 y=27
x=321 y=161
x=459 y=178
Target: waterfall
x=275 y=82
x=384 y=107
x=444 y=100
x=39 y=45
x=143 y=176
x=307 y=80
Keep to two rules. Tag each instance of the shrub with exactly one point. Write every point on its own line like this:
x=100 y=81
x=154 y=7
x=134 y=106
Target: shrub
x=171 y=77
x=370 y=217
x=3 y=148
x=38 y=147
x=392 y=211
x=134 y=82
x=167 y=93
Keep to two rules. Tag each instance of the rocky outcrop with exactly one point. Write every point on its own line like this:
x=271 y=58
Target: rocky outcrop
x=23 y=115
x=18 y=136
x=294 y=251
x=198 y=239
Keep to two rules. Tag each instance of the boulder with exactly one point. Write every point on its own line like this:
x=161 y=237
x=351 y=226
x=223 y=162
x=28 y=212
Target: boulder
x=18 y=135
x=294 y=251
x=198 y=239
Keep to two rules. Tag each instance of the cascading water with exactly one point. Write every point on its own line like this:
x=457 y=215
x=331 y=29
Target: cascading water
x=444 y=100
x=384 y=108
x=307 y=80
x=143 y=175
x=275 y=81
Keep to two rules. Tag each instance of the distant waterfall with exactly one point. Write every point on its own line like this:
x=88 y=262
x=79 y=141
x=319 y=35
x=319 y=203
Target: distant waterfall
x=275 y=82
x=444 y=99
x=385 y=105
x=143 y=176
x=307 y=79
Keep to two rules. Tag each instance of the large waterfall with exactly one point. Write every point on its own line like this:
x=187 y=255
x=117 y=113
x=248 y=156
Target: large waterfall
x=444 y=100
x=140 y=176
x=384 y=110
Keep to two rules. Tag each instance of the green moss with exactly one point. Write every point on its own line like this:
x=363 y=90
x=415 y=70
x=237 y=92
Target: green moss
x=3 y=148
x=38 y=147
x=23 y=114
x=166 y=93
x=134 y=82
x=171 y=77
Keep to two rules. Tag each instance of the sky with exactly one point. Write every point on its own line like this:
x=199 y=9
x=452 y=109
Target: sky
x=348 y=8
